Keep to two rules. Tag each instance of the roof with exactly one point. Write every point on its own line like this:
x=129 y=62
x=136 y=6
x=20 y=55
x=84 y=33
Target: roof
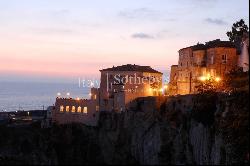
x=130 y=67
x=211 y=44
x=199 y=47
x=219 y=43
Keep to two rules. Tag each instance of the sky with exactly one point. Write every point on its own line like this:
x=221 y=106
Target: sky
x=49 y=40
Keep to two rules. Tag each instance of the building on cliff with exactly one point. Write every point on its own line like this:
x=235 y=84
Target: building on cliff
x=213 y=59
x=76 y=110
x=118 y=88
x=122 y=84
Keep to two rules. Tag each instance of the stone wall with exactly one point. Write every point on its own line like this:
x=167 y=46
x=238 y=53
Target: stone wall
x=222 y=66
x=136 y=86
x=214 y=61
x=86 y=111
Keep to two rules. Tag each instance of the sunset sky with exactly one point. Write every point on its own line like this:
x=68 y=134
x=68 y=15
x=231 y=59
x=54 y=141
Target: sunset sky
x=66 y=39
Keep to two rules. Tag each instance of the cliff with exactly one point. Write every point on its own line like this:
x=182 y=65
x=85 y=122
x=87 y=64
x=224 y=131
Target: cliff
x=178 y=130
x=192 y=129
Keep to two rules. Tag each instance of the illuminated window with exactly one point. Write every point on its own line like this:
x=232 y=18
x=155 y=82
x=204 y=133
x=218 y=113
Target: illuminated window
x=61 y=108
x=95 y=97
x=97 y=108
x=67 y=108
x=79 y=109
x=73 y=109
x=85 y=110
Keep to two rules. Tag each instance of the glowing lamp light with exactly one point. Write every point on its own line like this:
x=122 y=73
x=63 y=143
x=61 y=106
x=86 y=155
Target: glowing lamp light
x=68 y=94
x=161 y=90
x=202 y=78
x=217 y=79
x=165 y=87
x=90 y=94
x=78 y=98
x=208 y=77
x=28 y=113
x=58 y=94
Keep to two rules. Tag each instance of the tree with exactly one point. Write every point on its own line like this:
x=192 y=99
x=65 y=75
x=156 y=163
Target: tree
x=209 y=86
x=206 y=87
x=238 y=29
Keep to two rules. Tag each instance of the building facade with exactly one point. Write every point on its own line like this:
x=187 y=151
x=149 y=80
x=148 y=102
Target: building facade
x=122 y=84
x=213 y=59
x=119 y=86
x=69 y=110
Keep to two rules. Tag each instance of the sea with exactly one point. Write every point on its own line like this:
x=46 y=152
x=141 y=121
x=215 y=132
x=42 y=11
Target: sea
x=36 y=96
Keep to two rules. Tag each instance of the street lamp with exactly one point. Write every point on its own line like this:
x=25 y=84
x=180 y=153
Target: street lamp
x=68 y=94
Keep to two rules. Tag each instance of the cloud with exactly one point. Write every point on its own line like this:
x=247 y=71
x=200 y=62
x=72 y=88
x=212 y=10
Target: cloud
x=204 y=3
x=142 y=36
x=216 y=21
x=142 y=14
x=138 y=13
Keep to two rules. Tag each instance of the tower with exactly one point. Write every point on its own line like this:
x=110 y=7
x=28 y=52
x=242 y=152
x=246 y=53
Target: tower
x=244 y=56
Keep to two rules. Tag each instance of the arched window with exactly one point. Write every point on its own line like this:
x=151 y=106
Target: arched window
x=85 y=110
x=97 y=108
x=67 y=108
x=79 y=109
x=73 y=109
x=61 y=108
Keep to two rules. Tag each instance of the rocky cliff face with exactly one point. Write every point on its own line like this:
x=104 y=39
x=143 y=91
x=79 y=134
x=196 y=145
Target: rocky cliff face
x=173 y=130
x=178 y=130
